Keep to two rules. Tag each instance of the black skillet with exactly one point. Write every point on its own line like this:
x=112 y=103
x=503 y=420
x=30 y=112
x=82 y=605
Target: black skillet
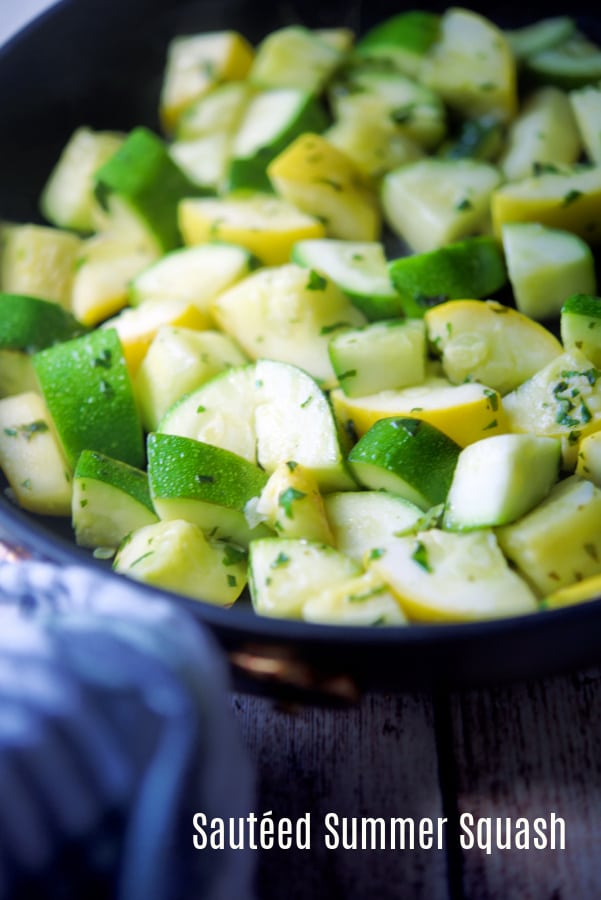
x=100 y=62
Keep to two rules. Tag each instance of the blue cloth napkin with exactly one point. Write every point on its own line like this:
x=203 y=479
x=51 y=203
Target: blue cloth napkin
x=115 y=729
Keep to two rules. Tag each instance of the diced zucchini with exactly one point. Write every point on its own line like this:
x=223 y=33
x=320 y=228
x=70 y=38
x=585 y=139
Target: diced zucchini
x=432 y=202
x=110 y=500
x=545 y=266
x=586 y=105
x=499 y=479
x=195 y=274
x=31 y=456
x=29 y=324
x=558 y=542
x=403 y=39
x=294 y=57
x=540 y=35
x=358 y=268
x=284 y=574
x=176 y=556
x=473 y=267
x=471 y=66
x=294 y=421
x=366 y=523
x=382 y=355
x=580 y=325
x=220 y=412
x=178 y=361
x=67 y=199
x=204 y=160
x=286 y=313
x=88 y=391
x=543 y=135
x=408 y=457
x=203 y=484
x=573 y=63
x=140 y=188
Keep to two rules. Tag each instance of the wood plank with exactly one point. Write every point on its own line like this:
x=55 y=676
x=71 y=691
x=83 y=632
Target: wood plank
x=375 y=759
x=530 y=750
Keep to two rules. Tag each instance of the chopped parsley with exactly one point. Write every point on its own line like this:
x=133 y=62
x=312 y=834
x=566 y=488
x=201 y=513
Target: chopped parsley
x=287 y=498
x=420 y=556
x=316 y=281
x=280 y=560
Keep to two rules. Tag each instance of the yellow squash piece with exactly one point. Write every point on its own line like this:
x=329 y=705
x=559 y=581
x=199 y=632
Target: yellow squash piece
x=104 y=268
x=39 y=261
x=137 y=327
x=196 y=64
x=324 y=182
x=267 y=226
x=569 y=199
x=488 y=342
x=464 y=412
x=440 y=576
x=580 y=592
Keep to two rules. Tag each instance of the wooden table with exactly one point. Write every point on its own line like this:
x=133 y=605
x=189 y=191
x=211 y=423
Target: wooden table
x=523 y=750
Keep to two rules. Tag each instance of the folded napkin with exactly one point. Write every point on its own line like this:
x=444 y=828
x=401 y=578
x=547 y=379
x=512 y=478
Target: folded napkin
x=115 y=729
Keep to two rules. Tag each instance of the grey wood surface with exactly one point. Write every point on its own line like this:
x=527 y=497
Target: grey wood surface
x=524 y=750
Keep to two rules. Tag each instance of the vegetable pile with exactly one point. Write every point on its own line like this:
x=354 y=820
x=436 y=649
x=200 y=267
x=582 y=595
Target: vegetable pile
x=334 y=334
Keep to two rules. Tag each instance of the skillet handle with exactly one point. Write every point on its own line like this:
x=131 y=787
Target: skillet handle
x=266 y=670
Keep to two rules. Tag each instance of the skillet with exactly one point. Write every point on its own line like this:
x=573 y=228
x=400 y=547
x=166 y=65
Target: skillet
x=100 y=62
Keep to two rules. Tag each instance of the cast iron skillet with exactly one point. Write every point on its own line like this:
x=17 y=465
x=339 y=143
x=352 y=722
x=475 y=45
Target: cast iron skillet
x=99 y=62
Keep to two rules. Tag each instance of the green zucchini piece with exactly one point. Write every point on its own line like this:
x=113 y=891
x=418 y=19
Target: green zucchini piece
x=381 y=356
x=539 y=36
x=402 y=39
x=110 y=500
x=67 y=199
x=358 y=268
x=408 y=457
x=273 y=119
x=499 y=479
x=473 y=267
x=203 y=484
x=141 y=184
x=580 y=326
x=30 y=324
x=87 y=387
